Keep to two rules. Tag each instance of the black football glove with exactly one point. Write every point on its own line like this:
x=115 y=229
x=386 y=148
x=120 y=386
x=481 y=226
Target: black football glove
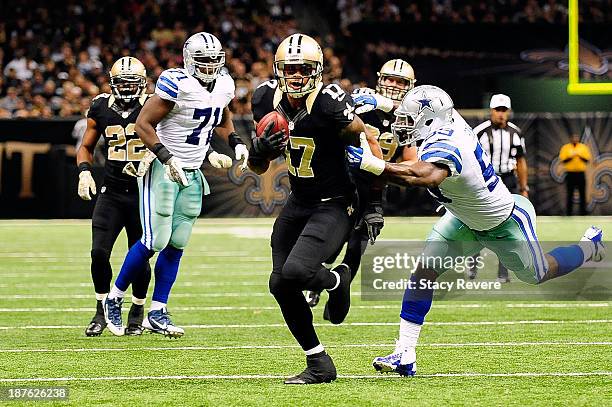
x=268 y=144
x=374 y=221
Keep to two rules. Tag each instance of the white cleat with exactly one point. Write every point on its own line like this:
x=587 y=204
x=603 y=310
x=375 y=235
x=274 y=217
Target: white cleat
x=112 y=315
x=158 y=321
x=595 y=235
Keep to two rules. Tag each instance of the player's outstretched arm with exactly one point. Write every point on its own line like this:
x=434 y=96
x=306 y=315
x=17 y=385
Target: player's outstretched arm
x=85 y=159
x=351 y=135
x=420 y=174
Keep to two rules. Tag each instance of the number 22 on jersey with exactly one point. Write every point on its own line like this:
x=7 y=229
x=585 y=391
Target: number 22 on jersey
x=119 y=147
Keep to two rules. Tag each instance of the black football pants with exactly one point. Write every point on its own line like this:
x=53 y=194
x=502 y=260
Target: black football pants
x=304 y=236
x=115 y=209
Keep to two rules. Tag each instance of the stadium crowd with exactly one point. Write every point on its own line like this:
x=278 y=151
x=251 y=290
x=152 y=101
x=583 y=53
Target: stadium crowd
x=55 y=59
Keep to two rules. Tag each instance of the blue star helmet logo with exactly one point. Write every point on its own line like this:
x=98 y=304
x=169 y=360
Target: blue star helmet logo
x=425 y=103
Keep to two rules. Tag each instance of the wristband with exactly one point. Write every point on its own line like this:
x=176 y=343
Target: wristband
x=162 y=153
x=84 y=166
x=234 y=139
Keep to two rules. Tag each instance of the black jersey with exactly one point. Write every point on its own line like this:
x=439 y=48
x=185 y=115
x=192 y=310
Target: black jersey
x=315 y=152
x=379 y=123
x=121 y=144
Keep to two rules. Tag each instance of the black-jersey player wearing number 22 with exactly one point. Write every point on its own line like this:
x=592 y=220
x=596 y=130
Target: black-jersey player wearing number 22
x=317 y=217
x=113 y=116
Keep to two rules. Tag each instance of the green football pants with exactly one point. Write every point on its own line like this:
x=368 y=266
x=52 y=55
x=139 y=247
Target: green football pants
x=168 y=210
x=514 y=241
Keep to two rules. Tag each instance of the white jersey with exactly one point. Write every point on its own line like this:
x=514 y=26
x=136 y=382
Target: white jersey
x=186 y=131
x=472 y=192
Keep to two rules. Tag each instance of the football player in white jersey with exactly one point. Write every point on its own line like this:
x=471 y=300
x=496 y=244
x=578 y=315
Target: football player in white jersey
x=481 y=212
x=176 y=126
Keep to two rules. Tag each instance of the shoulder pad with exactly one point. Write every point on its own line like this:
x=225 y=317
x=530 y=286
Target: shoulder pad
x=265 y=88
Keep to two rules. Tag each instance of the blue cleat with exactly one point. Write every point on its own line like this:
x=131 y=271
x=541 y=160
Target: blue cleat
x=595 y=235
x=393 y=363
x=158 y=321
x=112 y=315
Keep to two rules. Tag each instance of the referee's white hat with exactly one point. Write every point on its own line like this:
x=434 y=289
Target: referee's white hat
x=500 y=100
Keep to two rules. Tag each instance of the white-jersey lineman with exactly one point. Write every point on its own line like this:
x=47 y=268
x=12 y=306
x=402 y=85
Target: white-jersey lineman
x=481 y=212
x=176 y=125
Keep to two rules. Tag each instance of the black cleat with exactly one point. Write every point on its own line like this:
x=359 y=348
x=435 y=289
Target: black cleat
x=135 y=318
x=319 y=369
x=339 y=301
x=97 y=324
x=312 y=298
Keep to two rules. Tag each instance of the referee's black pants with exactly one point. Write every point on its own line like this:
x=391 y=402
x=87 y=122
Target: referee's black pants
x=115 y=209
x=303 y=237
x=573 y=181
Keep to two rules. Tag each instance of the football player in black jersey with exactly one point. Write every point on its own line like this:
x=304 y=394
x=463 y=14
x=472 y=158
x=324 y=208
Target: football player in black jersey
x=317 y=217
x=375 y=108
x=113 y=116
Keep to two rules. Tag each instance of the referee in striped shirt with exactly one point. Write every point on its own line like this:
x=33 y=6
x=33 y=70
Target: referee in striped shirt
x=502 y=140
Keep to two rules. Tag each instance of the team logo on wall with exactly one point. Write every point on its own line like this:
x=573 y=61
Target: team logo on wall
x=598 y=173
x=591 y=59
x=268 y=190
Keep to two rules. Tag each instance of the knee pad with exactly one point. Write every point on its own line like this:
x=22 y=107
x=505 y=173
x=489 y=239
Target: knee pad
x=100 y=255
x=181 y=234
x=296 y=271
x=160 y=240
x=275 y=284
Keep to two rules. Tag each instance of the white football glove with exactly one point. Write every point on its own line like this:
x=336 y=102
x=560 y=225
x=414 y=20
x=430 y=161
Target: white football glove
x=145 y=163
x=174 y=171
x=368 y=102
x=242 y=152
x=86 y=184
x=219 y=160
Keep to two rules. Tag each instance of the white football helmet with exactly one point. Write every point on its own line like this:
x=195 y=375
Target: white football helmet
x=203 y=56
x=423 y=110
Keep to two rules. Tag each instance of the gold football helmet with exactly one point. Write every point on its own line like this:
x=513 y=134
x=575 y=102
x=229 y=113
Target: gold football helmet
x=298 y=65
x=395 y=79
x=128 y=79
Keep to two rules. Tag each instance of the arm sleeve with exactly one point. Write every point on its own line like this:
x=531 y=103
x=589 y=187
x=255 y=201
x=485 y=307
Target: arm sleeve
x=166 y=87
x=484 y=142
x=444 y=153
x=586 y=153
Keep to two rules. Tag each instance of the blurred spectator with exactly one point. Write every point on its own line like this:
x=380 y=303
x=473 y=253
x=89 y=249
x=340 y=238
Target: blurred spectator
x=47 y=49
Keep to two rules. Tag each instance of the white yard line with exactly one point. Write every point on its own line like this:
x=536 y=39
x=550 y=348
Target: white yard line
x=345 y=346
x=280 y=377
x=282 y=325
x=274 y=307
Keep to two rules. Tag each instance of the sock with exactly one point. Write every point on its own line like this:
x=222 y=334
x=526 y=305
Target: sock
x=569 y=258
x=156 y=305
x=408 y=338
x=100 y=297
x=317 y=349
x=138 y=301
x=416 y=303
x=408 y=334
x=133 y=264
x=166 y=269
x=116 y=292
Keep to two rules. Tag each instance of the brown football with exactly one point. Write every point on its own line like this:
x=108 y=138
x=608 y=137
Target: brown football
x=280 y=123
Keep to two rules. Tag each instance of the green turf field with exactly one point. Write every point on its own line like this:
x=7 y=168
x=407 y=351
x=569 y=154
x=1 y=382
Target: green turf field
x=236 y=349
